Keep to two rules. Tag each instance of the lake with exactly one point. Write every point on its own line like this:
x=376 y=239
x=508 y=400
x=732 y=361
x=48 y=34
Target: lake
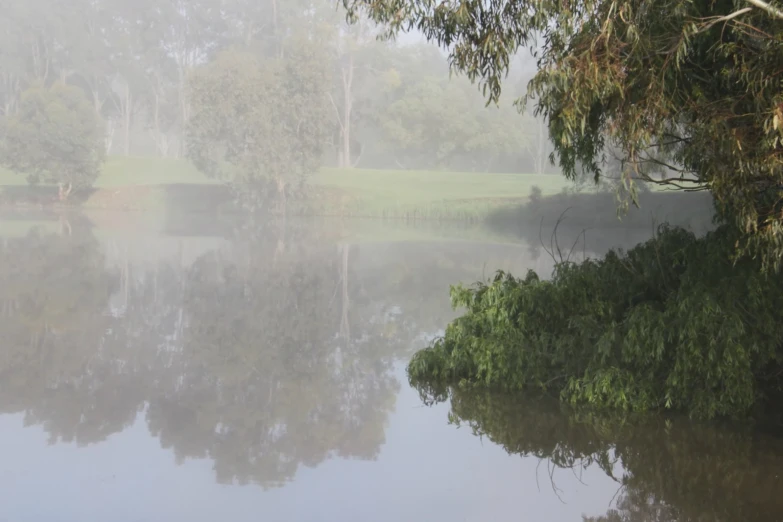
x=257 y=372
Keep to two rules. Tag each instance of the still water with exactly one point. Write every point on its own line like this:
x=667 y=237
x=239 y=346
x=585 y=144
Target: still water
x=258 y=374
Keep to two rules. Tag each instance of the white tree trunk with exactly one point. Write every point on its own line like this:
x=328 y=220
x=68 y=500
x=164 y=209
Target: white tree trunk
x=161 y=139
x=127 y=109
x=347 y=111
x=108 y=138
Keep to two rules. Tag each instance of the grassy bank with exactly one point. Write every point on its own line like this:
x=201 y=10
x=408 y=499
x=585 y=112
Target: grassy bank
x=132 y=171
x=466 y=196
x=153 y=183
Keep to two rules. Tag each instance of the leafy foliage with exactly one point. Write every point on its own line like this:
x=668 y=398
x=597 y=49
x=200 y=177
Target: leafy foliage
x=259 y=125
x=440 y=123
x=670 y=324
x=692 y=87
x=55 y=137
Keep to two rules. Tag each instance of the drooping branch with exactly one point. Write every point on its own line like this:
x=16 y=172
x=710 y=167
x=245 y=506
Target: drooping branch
x=726 y=18
x=774 y=11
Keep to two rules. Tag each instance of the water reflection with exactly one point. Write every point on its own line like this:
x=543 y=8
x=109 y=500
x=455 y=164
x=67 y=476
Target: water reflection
x=273 y=377
x=666 y=469
x=271 y=351
x=278 y=349
x=53 y=365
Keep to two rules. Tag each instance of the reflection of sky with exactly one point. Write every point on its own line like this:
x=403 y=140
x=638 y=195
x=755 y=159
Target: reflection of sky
x=427 y=471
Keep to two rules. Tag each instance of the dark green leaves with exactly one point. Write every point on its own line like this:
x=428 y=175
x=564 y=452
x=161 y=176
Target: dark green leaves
x=672 y=324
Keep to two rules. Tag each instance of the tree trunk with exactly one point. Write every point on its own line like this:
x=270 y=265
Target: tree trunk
x=345 y=155
x=11 y=88
x=109 y=137
x=161 y=140
x=347 y=110
x=275 y=34
x=541 y=148
x=359 y=155
x=183 y=108
x=249 y=34
x=281 y=197
x=127 y=121
x=64 y=190
x=274 y=17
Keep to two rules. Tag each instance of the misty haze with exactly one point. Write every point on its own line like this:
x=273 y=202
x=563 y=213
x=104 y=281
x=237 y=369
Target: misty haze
x=391 y=260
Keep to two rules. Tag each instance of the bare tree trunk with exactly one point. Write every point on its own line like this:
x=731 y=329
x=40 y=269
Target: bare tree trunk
x=64 y=190
x=536 y=145
x=96 y=102
x=281 y=195
x=359 y=156
x=10 y=93
x=274 y=16
x=161 y=140
x=540 y=148
x=109 y=137
x=40 y=61
x=156 y=119
x=347 y=110
x=249 y=34
x=183 y=108
x=127 y=121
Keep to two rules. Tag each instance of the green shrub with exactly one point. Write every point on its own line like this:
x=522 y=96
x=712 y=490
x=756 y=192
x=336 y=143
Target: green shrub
x=673 y=323
x=56 y=137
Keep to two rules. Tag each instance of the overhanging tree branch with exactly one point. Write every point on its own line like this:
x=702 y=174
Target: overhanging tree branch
x=774 y=11
x=726 y=18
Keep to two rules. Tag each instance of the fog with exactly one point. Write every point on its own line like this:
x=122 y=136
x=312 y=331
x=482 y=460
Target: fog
x=383 y=103
x=227 y=225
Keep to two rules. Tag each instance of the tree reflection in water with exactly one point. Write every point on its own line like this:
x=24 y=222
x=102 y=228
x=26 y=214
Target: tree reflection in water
x=271 y=352
x=276 y=350
x=667 y=468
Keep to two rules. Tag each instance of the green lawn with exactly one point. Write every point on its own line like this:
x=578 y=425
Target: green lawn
x=360 y=192
x=404 y=186
x=431 y=193
x=123 y=172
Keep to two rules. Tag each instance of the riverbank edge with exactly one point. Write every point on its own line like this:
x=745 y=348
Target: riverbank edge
x=320 y=201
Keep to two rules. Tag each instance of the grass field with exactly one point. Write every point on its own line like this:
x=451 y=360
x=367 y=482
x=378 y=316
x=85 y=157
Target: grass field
x=355 y=192
x=431 y=194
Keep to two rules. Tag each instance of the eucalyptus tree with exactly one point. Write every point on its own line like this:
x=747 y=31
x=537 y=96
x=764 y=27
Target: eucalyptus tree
x=261 y=125
x=688 y=85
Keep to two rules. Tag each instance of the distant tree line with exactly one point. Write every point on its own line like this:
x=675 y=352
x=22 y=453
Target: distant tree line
x=143 y=68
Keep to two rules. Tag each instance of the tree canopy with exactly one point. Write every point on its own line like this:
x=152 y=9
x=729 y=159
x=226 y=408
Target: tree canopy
x=134 y=65
x=688 y=92
x=55 y=137
x=260 y=123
